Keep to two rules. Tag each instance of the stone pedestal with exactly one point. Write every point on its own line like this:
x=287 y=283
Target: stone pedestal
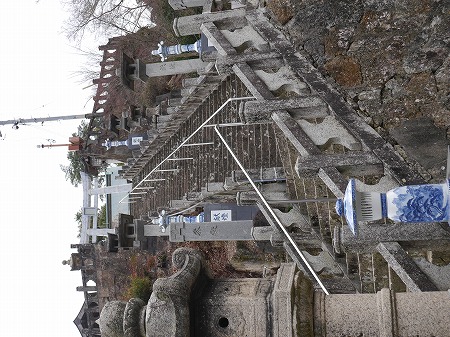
x=383 y=314
x=234 y=308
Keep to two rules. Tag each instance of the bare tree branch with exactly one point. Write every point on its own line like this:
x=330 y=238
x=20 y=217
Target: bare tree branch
x=105 y=17
x=89 y=70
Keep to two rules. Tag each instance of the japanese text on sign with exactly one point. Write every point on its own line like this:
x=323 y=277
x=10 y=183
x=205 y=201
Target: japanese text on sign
x=221 y=215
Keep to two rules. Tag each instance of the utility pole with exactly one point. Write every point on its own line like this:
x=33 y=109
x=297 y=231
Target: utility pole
x=15 y=122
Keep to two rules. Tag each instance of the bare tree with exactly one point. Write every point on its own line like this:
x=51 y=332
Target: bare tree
x=90 y=69
x=105 y=17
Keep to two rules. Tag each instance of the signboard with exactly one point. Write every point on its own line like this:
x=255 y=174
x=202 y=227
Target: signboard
x=136 y=140
x=221 y=215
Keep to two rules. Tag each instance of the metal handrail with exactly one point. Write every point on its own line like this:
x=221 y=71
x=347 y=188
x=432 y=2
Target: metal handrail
x=272 y=213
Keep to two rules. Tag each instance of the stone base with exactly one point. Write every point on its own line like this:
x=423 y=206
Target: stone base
x=382 y=314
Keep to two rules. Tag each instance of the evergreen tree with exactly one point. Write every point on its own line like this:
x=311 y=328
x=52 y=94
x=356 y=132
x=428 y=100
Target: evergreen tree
x=76 y=165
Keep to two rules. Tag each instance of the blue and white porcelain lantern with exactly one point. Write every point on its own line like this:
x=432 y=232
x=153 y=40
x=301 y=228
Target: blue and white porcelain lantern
x=164 y=51
x=415 y=203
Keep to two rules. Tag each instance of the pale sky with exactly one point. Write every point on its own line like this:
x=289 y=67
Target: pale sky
x=37 y=205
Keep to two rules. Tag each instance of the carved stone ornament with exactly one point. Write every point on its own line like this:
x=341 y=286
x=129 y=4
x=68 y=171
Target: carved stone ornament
x=167 y=312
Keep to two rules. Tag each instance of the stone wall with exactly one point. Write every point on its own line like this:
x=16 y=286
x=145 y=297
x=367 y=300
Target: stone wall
x=389 y=57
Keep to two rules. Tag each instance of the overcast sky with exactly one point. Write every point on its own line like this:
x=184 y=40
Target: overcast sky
x=37 y=205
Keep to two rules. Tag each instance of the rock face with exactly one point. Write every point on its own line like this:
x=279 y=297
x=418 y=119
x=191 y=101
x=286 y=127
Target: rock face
x=390 y=57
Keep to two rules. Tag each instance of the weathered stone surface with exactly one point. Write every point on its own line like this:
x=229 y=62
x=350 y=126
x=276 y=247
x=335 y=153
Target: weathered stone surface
x=134 y=311
x=439 y=275
x=345 y=70
x=349 y=163
x=370 y=101
x=283 y=10
x=180 y=4
x=329 y=131
x=405 y=268
x=168 y=308
x=211 y=231
x=190 y=25
x=282 y=300
x=111 y=320
x=383 y=314
x=189 y=303
x=424 y=142
x=389 y=57
x=411 y=235
x=309 y=106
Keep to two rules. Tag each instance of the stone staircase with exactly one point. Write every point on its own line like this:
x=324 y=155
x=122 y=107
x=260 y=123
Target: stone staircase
x=300 y=122
x=194 y=166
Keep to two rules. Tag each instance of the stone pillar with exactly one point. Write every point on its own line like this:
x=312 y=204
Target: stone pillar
x=211 y=231
x=100 y=231
x=251 y=198
x=310 y=106
x=190 y=25
x=174 y=67
x=205 y=231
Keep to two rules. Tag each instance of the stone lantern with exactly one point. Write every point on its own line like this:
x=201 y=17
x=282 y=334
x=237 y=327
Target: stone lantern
x=75 y=261
x=189 y=303
x=164 y=51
